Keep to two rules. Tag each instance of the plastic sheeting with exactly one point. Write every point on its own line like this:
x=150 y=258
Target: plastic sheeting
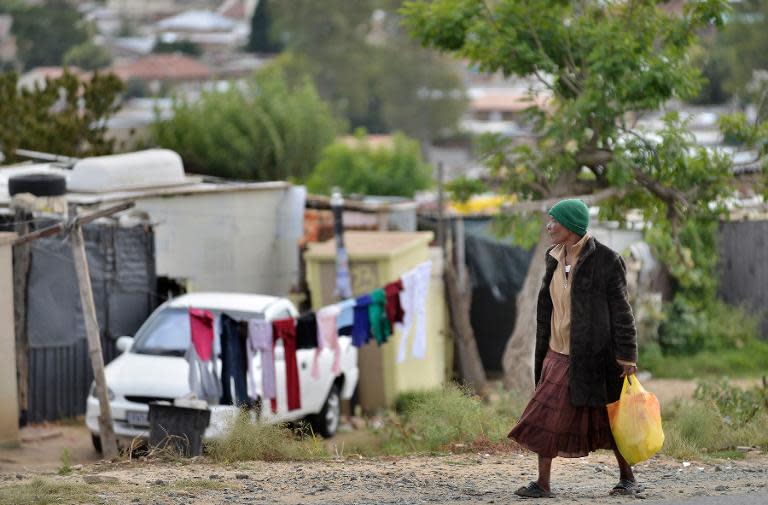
x=497 y=271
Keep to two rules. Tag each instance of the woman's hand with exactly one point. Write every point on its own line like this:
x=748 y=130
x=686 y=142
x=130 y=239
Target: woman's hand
x=628 y=370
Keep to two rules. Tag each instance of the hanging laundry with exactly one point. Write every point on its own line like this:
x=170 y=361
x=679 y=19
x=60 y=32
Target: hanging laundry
x=327 y=337
x=201 y=326
x=361 y=324
x=393 y=307
x=260 y=340
x=407 y=301
x=346 y=316
x=202 y=379
x=306 y=331
x=234 y=361
x=423 y=274
x=285 y=330
x=380 y=327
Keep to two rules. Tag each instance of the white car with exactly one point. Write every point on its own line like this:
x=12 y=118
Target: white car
x=152 y=367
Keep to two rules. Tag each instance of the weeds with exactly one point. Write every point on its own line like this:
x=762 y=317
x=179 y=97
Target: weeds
x=447 y=420
x=720 y=418
x=246 y=440
x=66 y=463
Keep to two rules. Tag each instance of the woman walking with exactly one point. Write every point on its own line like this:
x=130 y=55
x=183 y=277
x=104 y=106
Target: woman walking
x=585 y=344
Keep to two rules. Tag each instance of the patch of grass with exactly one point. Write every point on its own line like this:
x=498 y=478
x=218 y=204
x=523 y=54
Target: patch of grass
x=448 y=419
x=246 y=440
x=730 y=454
x=749 y=361
x=200 y=485
x=45 y=492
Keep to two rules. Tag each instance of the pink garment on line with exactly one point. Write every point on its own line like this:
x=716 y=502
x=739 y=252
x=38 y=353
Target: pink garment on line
x=327 y=338
x=201 y=328
x=260 y=339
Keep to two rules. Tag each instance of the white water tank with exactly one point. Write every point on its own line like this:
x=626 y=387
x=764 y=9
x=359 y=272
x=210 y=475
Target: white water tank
x=124 y=172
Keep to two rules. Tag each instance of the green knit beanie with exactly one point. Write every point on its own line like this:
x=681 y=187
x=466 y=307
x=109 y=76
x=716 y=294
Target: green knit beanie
x=573 y=214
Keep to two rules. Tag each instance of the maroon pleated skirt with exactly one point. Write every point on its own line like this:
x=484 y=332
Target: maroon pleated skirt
x=551 y=426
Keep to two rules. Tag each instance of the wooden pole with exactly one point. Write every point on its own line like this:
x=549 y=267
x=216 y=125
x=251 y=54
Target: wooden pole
x=106 y=430
x=21 y=264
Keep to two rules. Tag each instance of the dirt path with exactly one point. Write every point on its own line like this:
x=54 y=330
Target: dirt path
x=468 y=478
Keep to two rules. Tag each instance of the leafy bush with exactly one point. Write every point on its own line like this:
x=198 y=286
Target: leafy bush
x=88 y=56
x=245 y=439
x=271 y=129
x=361 y=169
x=705 y=324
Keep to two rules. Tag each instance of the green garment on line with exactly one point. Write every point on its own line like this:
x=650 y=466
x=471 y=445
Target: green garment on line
x=380 y=327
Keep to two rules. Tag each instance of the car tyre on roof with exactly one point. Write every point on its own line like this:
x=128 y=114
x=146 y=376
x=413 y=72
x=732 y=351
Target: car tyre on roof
x=37 y=184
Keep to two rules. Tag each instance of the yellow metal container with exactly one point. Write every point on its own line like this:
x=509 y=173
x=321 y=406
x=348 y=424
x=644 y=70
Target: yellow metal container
x=375 y=259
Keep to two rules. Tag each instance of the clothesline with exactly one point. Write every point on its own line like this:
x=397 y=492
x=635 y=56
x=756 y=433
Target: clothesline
x=373 y=316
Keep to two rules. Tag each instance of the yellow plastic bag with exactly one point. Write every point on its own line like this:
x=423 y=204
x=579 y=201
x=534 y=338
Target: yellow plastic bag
x=636 y=422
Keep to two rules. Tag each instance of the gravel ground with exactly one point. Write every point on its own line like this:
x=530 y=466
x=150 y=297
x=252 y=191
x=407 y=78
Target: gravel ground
x=466 y=478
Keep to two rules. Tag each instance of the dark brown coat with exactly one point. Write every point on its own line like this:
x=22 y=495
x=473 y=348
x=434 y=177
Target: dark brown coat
x=602 y=325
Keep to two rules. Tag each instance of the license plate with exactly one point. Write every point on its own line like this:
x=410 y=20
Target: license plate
x=137 y=418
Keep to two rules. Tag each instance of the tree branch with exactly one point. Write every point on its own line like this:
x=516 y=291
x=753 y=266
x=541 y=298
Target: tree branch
x=544 y=204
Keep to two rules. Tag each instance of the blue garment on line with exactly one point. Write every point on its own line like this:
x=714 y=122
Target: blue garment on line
x=346 y=313
x=234 y=361
x=361 y=325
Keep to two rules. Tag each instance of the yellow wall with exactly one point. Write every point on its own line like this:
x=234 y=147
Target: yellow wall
x=377 y=258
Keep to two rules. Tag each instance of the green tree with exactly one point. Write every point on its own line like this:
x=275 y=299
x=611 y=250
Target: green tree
x=368 y=68
x=273 y=129
x=179 y=46
x=742 y=46
x=262 y=38
x=44 y=33
x=396 y=170
x=603 y=63
x=88 y=56
x=66 y=116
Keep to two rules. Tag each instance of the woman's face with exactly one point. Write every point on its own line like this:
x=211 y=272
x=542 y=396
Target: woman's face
x=557 y=232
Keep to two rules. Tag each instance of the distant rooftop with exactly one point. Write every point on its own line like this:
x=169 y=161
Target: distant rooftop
x=164 y=67
x=197 y=21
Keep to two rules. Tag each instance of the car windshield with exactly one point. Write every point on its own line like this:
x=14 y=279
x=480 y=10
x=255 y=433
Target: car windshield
x=167 y=333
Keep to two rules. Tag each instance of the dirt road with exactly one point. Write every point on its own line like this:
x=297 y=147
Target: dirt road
x=467 y=478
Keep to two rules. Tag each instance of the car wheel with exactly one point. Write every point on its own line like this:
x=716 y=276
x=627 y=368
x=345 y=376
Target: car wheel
x=96 y=440
x=327 y=421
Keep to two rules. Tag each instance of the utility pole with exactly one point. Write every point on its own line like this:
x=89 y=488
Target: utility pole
x=343 y=288
x=74 y=229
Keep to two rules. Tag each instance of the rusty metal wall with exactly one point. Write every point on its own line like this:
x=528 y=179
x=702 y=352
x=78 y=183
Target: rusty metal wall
x=744 y=267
